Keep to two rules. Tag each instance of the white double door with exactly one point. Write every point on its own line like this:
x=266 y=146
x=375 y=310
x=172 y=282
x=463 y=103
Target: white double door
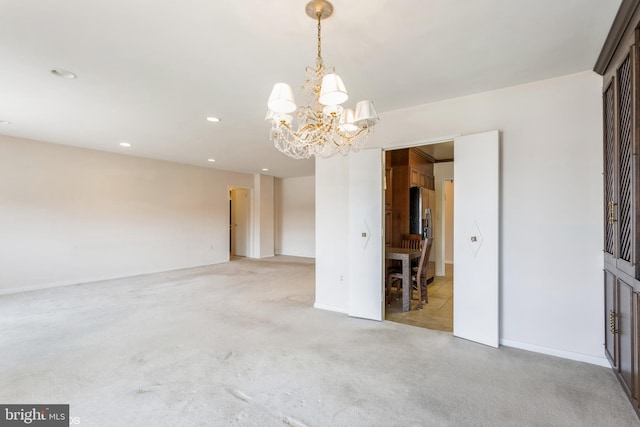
x=476 y=236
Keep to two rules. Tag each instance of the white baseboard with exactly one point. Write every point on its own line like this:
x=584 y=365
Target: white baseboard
x=42 y=286
x=600 y=361
x=330 y=308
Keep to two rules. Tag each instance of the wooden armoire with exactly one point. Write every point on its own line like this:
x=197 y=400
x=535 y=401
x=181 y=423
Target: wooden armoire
x=619 y=64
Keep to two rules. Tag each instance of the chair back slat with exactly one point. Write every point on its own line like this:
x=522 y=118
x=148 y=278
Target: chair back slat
x=411 y=241
x=424 y=256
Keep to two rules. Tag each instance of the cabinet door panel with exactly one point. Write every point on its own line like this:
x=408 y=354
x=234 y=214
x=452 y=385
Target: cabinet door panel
x=388 y=227
x=626 y=215
x=388 y=189
x=609 y=314
x=609 y=175
x=415 y=178
x=626 y=331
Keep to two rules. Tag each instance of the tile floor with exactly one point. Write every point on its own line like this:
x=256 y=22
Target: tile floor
x=438 y=314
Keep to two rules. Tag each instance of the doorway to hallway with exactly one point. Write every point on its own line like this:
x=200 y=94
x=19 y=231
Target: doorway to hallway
x=239 y=222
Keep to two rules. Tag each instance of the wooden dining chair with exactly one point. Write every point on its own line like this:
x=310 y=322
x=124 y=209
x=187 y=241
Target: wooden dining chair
x=411 y=241
x=417 y=275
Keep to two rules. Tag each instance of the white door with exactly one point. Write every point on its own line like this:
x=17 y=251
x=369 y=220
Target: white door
x=476 y=238
x=366 y=242
x=240 y=205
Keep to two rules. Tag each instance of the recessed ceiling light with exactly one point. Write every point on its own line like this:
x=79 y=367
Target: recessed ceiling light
x=63 y=73
x=125 y=144
x=4 y=122
x=265 y=170
x=211 y=160
x=213 y=119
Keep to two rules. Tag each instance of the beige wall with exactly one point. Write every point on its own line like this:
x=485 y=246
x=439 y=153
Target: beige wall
x=295 y=213
x=442 y=172
x=448 y=221
x=264 y=220
x=70 y=215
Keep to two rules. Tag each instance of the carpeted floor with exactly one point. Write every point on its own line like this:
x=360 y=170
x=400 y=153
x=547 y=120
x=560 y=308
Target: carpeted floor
x=240 y=344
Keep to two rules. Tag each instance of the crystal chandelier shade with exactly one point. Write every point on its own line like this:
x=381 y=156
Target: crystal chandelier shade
x=323 y=127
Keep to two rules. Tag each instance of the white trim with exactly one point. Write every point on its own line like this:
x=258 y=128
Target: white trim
x=330 y=308
x=251 y=230
x=600 y=361
x=419 y=143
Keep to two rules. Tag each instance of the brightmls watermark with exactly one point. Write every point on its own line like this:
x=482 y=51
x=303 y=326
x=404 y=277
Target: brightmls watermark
x=34 y=415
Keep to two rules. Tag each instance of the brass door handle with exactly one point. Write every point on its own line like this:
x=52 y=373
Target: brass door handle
x=612 y=322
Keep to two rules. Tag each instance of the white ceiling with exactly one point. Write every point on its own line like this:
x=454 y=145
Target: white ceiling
x=150 y=71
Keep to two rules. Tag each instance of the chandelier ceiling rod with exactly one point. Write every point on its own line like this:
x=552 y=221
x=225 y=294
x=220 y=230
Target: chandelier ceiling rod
x=319 y=38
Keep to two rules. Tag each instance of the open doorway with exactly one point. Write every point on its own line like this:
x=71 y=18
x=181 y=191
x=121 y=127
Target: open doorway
x=430 y=167
x=239 y=222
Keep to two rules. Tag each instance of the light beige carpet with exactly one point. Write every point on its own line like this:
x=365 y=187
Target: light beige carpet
x=240 y=344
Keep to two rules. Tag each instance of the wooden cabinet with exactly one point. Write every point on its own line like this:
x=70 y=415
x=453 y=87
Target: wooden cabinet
x=621 y=302
x=410 y=167
x=388 y=199
x=619 y=63
x=388 y=227
x=420 y=178
x=610 y=298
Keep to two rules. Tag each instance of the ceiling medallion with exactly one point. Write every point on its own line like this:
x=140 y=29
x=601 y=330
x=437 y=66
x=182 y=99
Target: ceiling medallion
x=324 y=128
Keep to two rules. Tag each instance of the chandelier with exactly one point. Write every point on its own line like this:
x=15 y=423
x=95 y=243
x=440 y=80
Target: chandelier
x=324 y=128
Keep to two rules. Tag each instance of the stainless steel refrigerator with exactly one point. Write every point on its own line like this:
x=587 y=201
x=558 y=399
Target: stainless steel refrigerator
x=422 y=206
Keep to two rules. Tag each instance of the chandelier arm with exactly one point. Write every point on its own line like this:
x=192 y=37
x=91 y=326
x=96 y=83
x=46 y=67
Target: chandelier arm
x=300 y=132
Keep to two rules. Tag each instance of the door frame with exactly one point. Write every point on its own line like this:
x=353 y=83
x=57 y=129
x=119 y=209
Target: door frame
x=250 y=215
x=412 y=144
x=420 y=143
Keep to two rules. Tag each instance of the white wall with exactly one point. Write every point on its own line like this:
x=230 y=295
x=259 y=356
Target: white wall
x=448 y=221
x=70 y=215
x=551 y=196
x=441 y=172
x=296 y=216
x=332 y=234
x=264 y=216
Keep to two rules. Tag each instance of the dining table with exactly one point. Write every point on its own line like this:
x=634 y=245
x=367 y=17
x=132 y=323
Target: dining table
x=405 y=255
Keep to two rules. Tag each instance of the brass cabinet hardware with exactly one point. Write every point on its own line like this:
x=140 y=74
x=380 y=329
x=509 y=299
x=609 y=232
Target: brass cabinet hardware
x=612 y=217
x=612 y=322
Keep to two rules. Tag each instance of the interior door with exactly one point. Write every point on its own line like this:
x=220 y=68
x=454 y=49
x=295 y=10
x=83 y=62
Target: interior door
x=240 y=221
x=476 y=238
x=365 y=234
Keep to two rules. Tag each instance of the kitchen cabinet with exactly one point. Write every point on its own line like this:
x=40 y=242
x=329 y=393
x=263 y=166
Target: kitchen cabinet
x=388 y=200
x=410 y=167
